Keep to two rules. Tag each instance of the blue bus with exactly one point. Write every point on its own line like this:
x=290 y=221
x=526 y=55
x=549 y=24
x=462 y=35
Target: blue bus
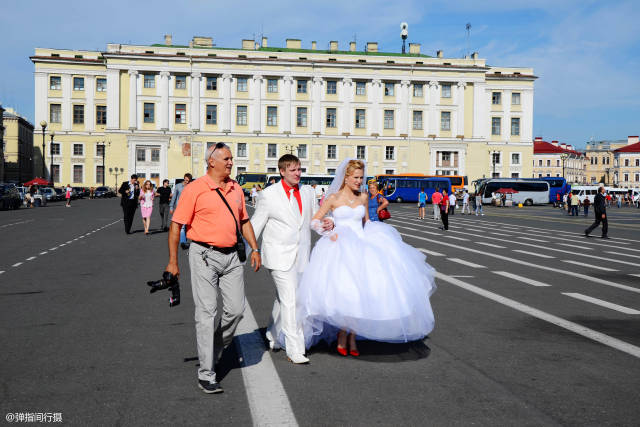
x=557 y=185
x=407 y=188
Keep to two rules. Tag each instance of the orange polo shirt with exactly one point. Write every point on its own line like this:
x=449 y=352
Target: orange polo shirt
x=206 y=216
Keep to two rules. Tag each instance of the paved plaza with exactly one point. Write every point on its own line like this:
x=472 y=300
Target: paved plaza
x=535 y=325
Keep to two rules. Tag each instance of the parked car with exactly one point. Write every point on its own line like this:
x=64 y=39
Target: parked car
x=9 y=197
x=81 y=192
x=103 y=192
x=59 y=193
x=49 y=193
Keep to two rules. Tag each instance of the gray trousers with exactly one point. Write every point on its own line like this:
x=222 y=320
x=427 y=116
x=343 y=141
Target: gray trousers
x=213 y=272
x=164 y=214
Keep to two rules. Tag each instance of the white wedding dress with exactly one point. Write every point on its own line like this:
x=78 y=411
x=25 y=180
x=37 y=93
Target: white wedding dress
x=367 y=281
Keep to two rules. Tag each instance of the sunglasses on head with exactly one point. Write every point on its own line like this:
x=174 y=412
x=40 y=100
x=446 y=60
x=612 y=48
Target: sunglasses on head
x=217 y=146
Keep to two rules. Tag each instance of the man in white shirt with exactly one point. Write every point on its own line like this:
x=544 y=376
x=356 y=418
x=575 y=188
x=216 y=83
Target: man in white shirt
x=465 y=203
x=452 y=203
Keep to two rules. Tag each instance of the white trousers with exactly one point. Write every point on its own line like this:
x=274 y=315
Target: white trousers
x=283 y=316
x=466 y=206
x=436 y=211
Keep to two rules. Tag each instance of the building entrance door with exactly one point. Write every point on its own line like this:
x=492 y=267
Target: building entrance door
x=147 y=164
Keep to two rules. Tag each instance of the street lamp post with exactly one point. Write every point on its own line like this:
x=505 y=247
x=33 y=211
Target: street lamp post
x=52 y=133
x=104 y=150
x=44 y=126
x=563 y=157
x=493 y=162
x=116 y=172
x=290 y=148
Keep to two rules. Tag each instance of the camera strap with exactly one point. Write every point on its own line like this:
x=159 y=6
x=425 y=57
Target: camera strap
x=230 y=210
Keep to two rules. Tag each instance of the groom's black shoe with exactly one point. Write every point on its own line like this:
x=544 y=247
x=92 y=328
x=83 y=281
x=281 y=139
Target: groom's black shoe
x=210 y=388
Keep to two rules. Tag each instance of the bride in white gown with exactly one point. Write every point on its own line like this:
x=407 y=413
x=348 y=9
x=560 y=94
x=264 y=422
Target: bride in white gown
x=362 y=279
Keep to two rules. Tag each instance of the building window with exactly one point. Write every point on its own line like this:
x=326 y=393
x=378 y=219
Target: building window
x=301 y=86
x=540 y=162
x=389 y=171
x=361 y=152
x=141 y=155
x=99 y=150
x=495 y=126
x=446 y=90
x=78 y=149
x=388 y=119
x=181 y=82
x=515 y=98
x=101 y=84
x=55 y=149
x=272 y=85
x=417 y=90
x=626 y=177
x=626 y=163
x=332 y=87
x=301 y=117
x=99 y=174
x=271 y=170
x=55 y=83
x=155 y=154
x=181 y=113
x=496 y=98
x=77 y=173
x=417 y=119
x=331 y=117
x=302 y=151
x=515 y=126
x=557 y=163
x=272 y=151
x=361 y=88
x=637 y=177
x=212 y=114
x=241 y=151
x=149 y=81
x=240 y=169
x=55 y=173
x=101 y=114
x=149 y=112
x=388 y=89
x=637 y=162
x=331 y=171
x=212 y=83
x=515 y=175
x=332 y=152
x=272 y=116
x=515 y=158
x=595 y=160
x=360 y=119
x=55 y=115
x=548 y=163
x=495 y=158
x=241 y=115
x=445 y=120
x=446 y=157
x=78 y=83
x=78 y=114
x=389 y=152
x=242 y=84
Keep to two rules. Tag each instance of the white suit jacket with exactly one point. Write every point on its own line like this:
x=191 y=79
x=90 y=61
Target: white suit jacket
x=286 y=232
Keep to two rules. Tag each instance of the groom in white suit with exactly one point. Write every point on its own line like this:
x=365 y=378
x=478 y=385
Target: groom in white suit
x=284 y=213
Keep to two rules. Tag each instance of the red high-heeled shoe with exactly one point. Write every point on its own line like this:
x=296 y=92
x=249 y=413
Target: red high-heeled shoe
x=354 y=353
x=342 y=351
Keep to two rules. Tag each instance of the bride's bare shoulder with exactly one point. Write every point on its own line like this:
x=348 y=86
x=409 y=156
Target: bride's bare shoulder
x=364 y=197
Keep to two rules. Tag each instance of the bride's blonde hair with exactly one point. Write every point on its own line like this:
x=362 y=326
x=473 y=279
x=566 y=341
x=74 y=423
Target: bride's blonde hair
x=352 y=166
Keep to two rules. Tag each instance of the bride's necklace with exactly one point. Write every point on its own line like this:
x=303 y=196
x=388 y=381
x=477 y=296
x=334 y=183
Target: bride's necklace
x=351 y=201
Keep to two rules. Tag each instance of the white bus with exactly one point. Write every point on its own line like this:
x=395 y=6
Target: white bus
x=529 y=192
x=585 y=192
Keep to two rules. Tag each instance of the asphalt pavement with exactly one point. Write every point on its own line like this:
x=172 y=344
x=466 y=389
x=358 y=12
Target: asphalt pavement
x=535 y=325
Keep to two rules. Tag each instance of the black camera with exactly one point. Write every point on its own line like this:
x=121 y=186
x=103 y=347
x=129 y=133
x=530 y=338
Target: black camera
x=168 y=281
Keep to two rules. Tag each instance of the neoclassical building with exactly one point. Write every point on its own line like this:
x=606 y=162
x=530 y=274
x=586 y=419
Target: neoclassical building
x=558 y=159
x=154 y=109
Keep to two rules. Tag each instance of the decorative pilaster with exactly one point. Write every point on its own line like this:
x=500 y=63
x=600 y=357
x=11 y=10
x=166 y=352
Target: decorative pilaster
x=133 y=99
x=286 y=115
x=404 y=107
x=434 y=97
x=195 y=101
x=316 y=97
x=163 y=110
x=227 y=113
x=256 y=113
x=346 y=94
x=375 y=122
x=113 y=99
x=459 y=101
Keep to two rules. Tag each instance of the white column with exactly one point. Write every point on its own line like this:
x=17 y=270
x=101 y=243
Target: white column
x=133 y=98
x=316 y=114
x=227 y=113
x=163 y=107
x=113 y=99
x=41 y=97
x=89 y=106
x=285 y=114
x=255 y=113
x=526 y=123
x=195 y=101
x=374 y=121
x=480 y=110
x=460 y=103
x=347 y=118
x=434 y=97
x=404 y=107
x=67 y=108
x=506 y=107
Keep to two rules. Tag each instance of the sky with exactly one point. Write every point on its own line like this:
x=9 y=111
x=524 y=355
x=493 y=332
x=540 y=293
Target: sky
x=586 y=53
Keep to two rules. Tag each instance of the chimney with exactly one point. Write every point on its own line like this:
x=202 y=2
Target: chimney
x=264 y=42
x=554 y=143
x=570 y=147
x=414 y=48
x=248 y=44
x=352 y=47
x=167 y=39
x=439 y=54
x=294 y=44
x=372 y=46
x=538 y=139
x=632 y=140
x=314 y=45
x=474 y=55
x=200 y=41
x=563 y=146
x=333 y=45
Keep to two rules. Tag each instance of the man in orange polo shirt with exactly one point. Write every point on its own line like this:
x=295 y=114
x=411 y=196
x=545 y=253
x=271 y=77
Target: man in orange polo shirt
x=213 y=259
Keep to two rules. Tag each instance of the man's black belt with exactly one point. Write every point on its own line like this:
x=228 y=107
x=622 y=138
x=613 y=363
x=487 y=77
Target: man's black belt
x=216 y=248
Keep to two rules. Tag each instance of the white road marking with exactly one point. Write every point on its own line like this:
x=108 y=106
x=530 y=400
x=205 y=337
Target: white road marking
x=499 y=234
x=16 y=223
x=575 y=246
x=490 y=244
x=1 y=271
x=610 y=305
x=43 y=253
x=16 y=264
x=268 y=401
x=635 y=275
x=521 y=278
x=428 y=252
x=583 y=264
x=621 y=254
x=30 y=258
x=69 y=241
x=467 y=263
x=61 y=245
x=464 y=277
x=533 y=254
x=53 y=249
x=539 y=314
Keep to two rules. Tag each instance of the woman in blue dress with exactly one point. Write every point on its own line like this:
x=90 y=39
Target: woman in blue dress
x=376 y=201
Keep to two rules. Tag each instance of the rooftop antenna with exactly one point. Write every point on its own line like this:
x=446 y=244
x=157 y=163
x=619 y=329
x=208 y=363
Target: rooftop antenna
x=468 y=27
x=404 y=33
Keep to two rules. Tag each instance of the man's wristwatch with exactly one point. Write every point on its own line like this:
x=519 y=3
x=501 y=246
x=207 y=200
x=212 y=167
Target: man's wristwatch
x=255 y=250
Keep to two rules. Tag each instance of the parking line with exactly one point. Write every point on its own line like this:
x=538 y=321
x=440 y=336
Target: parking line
x=467 y=263
x=1 y=271
x=533 y=240
x=539 y=314
x=610 y=305
x=16 y=264
x=533 y=254
x=621 y=254
x=53 y=249
x=521 y=278
x=635 y=275
x=428 y=252
x=30 y=258
x=490 y=244
x=43 y=253
x=574 y=246
x=588 y=265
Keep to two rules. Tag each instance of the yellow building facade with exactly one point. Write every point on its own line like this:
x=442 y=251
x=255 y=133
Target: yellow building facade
x=156 y=108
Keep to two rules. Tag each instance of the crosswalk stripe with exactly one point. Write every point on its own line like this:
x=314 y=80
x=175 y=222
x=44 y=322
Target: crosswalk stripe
x=602 y=303
x=588 y=265
x=621 y=254
x=490 y=244
x=467 y=263
x=428 y=252
x=521 y=278
x=533 y=254
x=533 y=240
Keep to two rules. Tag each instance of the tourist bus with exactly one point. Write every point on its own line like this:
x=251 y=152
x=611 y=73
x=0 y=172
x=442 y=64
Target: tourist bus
x=585 y=192
x=557 y=185
x=406 y=188
x=458 y=182
x=529 y=191
x=248 y=179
